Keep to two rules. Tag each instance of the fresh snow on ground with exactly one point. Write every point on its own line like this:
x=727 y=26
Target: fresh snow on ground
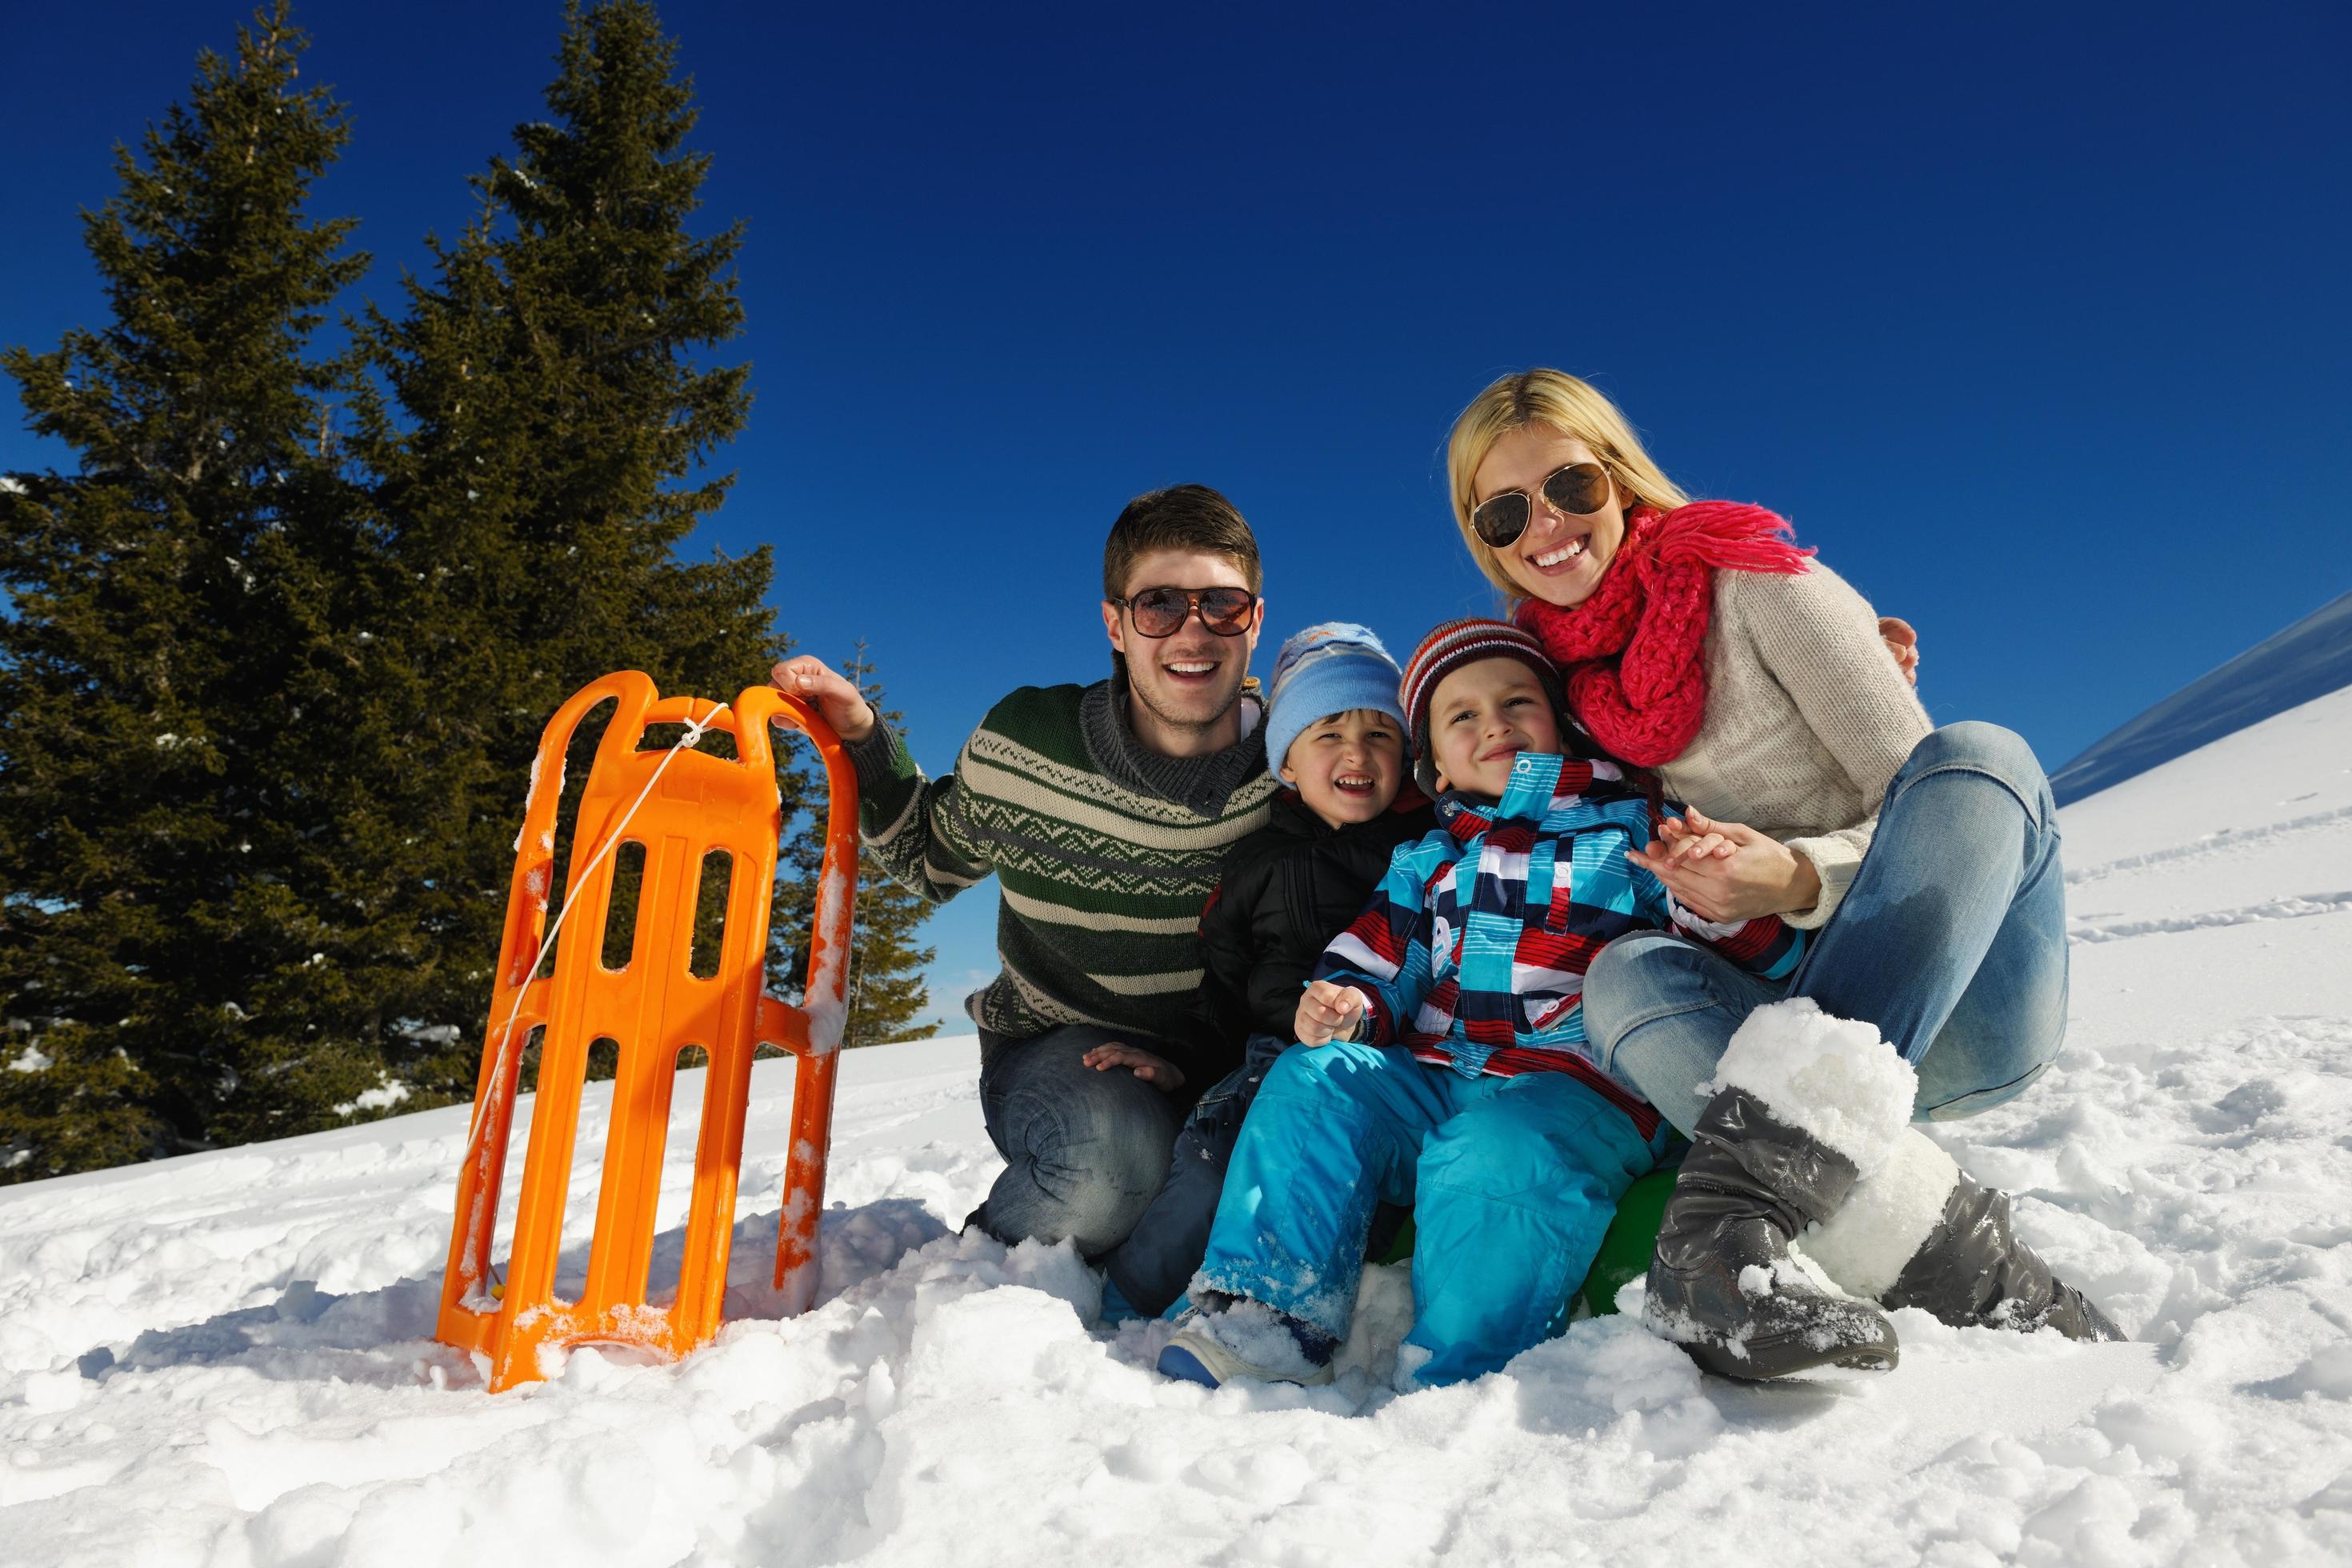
x=227 y=1359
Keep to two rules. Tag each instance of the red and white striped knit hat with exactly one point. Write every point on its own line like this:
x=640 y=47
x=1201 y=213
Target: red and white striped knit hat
x=1466 y=641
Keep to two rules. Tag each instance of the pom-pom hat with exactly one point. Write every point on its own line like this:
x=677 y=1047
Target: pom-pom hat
x=1448 y=648
x=1335 y=667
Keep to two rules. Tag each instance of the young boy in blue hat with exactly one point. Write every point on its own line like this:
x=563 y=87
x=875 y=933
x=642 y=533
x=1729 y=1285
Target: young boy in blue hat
x=1335 y=734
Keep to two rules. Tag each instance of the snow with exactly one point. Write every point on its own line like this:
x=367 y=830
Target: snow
x=530 y=798
x=388 y=1092
x=825 y=998
x=1888 y=1217
x=1833 y=1077
x=226 y=1359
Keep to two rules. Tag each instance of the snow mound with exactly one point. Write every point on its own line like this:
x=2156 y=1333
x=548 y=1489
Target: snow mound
x=227 y=1359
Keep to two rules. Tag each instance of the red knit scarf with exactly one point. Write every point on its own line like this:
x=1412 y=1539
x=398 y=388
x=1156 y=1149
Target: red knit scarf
x=1634 y=651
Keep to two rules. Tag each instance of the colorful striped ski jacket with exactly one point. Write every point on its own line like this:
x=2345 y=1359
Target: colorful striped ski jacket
x=1473 y=950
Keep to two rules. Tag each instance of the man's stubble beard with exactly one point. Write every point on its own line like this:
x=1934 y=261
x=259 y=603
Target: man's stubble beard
x=1143 y=693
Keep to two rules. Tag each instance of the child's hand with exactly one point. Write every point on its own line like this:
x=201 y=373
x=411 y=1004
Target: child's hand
x=1156 y=1071
x=1683 y=842
x=1728 y=871
x=1327 y=1013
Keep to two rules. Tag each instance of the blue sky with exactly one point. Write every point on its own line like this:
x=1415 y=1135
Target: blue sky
x=2032 y=319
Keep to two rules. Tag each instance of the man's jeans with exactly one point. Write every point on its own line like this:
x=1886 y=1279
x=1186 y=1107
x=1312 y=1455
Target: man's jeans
x=1084 y=1150
x=1155 y=1263
x=1951 y=940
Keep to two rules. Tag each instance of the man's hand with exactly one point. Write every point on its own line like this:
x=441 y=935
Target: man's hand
x=838 y=702
x=1904 y=644
x=1328 y=1012
x=1725 y=871
x=1156 y=1071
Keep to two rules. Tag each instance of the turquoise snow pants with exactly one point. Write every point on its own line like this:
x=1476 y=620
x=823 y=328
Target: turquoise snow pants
x=1512 y=1182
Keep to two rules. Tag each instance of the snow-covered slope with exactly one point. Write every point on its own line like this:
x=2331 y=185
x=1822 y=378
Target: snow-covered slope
x=224 y=1360
x=2309 y=660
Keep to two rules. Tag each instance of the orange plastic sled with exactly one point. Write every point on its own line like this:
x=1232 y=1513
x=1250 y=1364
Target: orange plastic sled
x=655 y=1008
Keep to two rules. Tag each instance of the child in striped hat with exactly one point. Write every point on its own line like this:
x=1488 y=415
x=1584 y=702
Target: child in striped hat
x=1451 y=1068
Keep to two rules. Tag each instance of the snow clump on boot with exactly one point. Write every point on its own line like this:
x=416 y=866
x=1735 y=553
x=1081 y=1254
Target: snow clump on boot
x=1832 y=1078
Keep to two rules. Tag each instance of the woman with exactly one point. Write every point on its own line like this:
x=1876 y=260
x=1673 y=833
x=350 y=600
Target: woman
x=1702 y=645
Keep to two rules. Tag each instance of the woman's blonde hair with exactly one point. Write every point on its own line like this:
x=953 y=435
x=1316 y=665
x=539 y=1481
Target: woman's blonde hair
x=1571 y=406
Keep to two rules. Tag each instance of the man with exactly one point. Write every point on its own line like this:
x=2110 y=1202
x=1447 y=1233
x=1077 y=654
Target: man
x=1103 y=811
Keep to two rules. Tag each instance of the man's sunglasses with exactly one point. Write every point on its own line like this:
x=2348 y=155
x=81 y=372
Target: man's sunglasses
x=1163 y=612
x=1578 y=490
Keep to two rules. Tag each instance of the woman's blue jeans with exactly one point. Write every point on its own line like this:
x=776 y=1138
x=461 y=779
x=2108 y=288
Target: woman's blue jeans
x=1154 y=1265
x=1951 y=939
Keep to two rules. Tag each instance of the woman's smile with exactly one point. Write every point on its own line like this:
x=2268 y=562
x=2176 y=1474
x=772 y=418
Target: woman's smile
x=1569 y=568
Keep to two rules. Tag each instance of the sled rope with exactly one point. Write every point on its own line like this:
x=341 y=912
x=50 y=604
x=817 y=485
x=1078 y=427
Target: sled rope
x=694 y=732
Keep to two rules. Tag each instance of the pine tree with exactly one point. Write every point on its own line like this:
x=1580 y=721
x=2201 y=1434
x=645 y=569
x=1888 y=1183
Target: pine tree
x=887 y=992
x=191 y=952
x=542 y=448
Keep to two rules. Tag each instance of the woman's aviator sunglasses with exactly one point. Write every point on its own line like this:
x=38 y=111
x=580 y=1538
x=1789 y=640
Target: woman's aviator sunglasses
x=1160 y=612
x=1578 y=490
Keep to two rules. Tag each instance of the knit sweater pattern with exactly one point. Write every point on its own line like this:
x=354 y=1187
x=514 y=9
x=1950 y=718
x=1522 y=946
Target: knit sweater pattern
x=1104 y=853
x=1808 y=718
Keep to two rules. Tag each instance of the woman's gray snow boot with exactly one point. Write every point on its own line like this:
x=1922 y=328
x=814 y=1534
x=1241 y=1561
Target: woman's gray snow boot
x=1721 y=1283
x=1922 y=1234
x=1806 y=1107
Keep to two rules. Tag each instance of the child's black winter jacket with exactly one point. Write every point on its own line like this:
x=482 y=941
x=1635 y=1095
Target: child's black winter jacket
x=1284 y=892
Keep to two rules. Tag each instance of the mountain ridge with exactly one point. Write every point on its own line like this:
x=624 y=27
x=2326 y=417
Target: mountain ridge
x=2307 y=660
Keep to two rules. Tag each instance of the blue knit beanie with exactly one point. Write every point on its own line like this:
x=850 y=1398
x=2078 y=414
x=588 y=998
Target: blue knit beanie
x=1335 y=667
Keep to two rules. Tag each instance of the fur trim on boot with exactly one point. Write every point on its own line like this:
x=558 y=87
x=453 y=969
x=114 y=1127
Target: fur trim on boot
x=1886 y=1219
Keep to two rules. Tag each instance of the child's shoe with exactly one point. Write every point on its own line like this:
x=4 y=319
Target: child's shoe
x=1226 y=1337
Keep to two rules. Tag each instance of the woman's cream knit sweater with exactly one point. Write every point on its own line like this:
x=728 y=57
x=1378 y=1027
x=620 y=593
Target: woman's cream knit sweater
x=1808 y=717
